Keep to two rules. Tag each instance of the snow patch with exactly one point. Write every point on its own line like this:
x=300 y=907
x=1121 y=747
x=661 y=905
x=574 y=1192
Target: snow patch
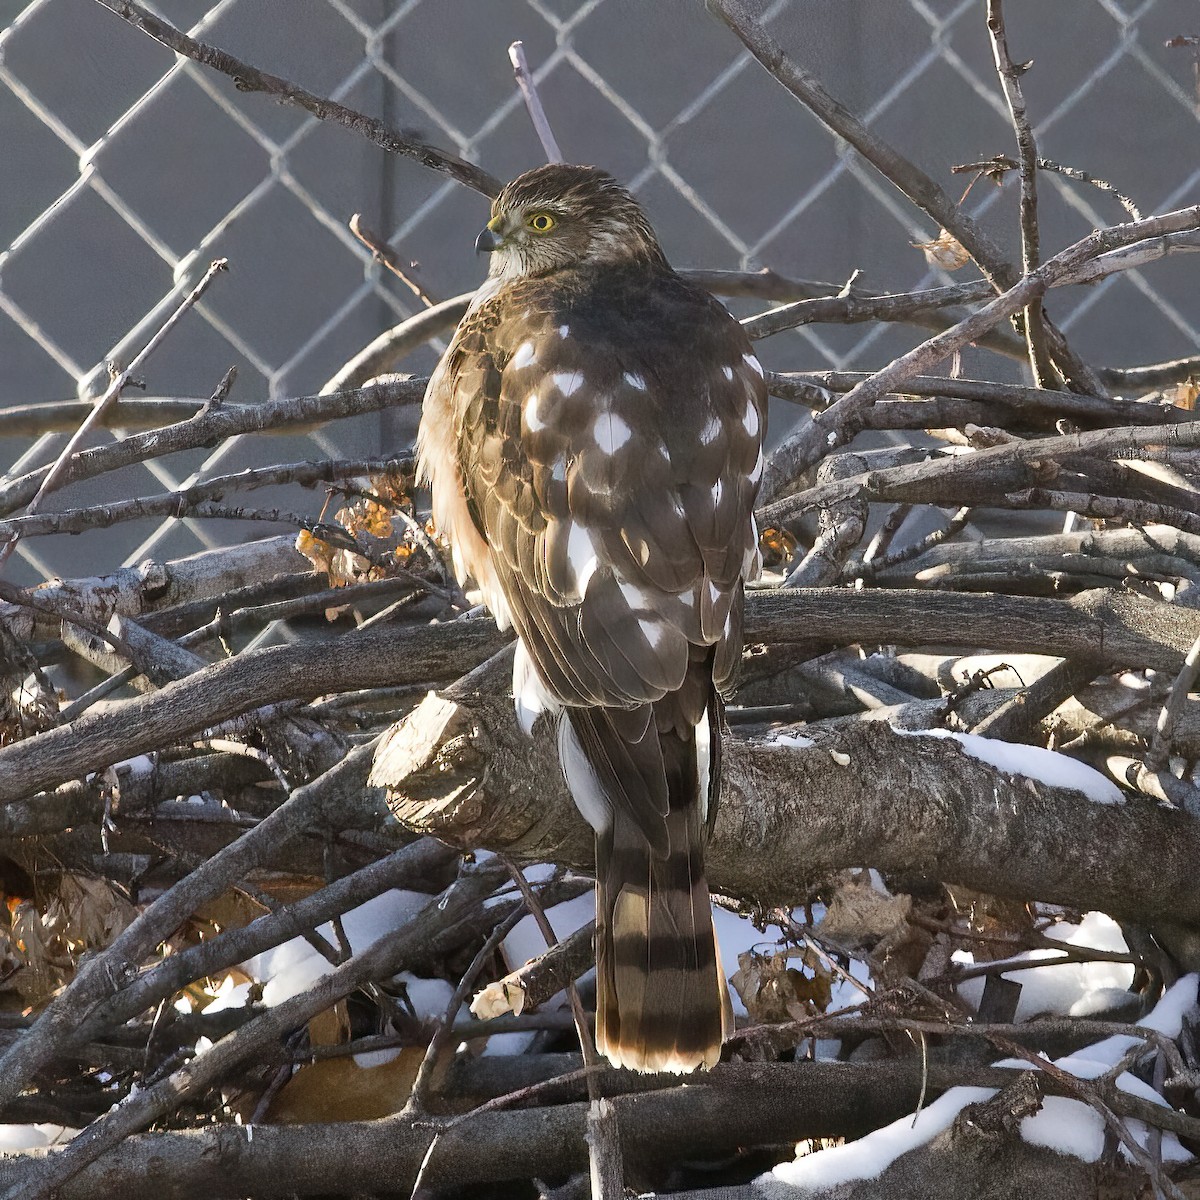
x=791 y=739
x=1070 y=989
x=33 y=1137
x=870 y=1156
x=1046 y=766
x=1067 y=1126
x=287 y=970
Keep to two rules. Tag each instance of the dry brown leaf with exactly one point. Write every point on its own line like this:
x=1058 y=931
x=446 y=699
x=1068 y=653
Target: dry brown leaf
x=230 y=910
x=347 y=567
x=776 y=546
x=1184 y=395
x=337 y=1089
x=317 y=552
x=774 y=991
x=859 y=914
x=88 y=913
x=41 y=973
x=394 y=488
x=945 y=251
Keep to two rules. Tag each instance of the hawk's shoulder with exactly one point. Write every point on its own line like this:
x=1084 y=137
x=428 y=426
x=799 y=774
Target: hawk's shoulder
x=607 y=438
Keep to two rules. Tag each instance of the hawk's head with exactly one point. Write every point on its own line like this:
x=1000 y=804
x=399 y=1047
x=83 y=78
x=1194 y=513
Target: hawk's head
x=559 y=216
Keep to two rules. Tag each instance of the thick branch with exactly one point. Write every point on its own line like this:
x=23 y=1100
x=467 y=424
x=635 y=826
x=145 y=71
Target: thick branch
x=908 y=804
x=150 y=586
x=1116 y=628
x=376 y=657
x=735 y=1105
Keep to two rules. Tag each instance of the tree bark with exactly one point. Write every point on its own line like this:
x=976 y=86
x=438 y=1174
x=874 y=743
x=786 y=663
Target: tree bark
x=789 y=815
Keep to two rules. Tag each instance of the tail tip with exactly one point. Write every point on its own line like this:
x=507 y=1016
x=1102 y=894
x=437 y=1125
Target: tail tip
x=665 y=1060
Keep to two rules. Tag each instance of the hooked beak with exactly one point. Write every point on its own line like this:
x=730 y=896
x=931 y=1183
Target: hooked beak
x=489 y=238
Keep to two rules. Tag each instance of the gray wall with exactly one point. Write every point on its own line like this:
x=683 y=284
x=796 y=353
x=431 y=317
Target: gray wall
x=123 y=174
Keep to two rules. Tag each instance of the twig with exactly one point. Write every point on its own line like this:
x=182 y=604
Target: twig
x=189 y=500
x=1048 y=164
x=1016 y=719
x=996 y=167
x=250 y=79
x=870 y=567
x=1009 y=72
x=533 y=102
x=603 y=1132
x=1160 y=746
x=385 y=255
x=55 y=474
x=832 y=427
x=445 y=1031
x=881 y=541
x=857 y=307
x=894 y=167
x=464 y=1030
x=391 y=346
x=539 y=915
x=216 y=426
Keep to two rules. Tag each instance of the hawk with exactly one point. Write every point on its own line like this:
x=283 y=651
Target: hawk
x=593 y=438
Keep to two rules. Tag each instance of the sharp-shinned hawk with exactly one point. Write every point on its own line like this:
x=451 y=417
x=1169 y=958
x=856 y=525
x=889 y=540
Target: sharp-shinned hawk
x=593 y=437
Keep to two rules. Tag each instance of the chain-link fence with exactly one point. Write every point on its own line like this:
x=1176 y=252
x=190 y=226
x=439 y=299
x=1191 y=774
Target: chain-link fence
x=125 y=171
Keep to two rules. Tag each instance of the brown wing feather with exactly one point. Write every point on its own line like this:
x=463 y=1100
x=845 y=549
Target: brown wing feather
x=606 y=429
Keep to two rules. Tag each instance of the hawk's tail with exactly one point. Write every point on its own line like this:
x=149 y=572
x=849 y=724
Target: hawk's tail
x=661 y=1002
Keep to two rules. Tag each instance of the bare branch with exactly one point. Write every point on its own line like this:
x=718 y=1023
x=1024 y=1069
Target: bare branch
x=59 y=471
x=1010 y=73
x=250 y=79
x=533 y=102
x=899 y=171
x=386 y=256
x=976 y=478
x=387 y=350
x=209 y=428
x=808 y=387
x=830 y=428
x=188 y=500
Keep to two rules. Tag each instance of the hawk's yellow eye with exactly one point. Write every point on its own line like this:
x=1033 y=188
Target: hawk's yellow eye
x=541 y=222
